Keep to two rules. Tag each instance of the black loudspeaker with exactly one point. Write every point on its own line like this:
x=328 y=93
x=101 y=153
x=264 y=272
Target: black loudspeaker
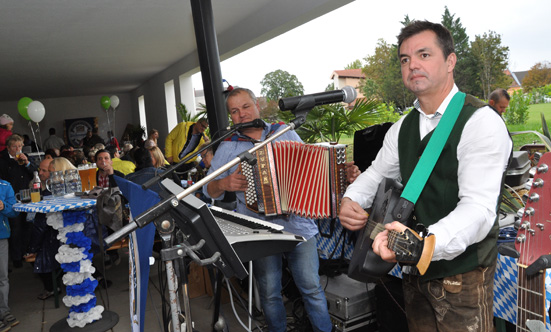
x=367 y=143
x=390 y=305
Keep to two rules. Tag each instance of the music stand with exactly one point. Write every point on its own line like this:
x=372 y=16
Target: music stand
x=194 y=218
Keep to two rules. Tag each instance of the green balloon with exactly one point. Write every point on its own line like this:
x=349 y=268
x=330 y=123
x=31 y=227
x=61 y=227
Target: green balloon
x=22 y=107
x=105 y=102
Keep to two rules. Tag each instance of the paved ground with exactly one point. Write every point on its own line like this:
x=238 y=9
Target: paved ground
x=38 y=315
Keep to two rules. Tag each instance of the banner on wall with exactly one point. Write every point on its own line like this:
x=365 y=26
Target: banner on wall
x=76 y=129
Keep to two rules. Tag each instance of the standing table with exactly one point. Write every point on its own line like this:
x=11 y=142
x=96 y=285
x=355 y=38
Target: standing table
x=67 y=215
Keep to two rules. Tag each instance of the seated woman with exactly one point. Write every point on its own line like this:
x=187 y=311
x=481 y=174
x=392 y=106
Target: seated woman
x=158 y=157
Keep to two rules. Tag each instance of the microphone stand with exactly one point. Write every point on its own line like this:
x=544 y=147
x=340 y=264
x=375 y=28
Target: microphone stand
x=173 y=200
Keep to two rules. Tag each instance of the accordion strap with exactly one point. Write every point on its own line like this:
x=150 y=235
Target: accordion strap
x=430 y=156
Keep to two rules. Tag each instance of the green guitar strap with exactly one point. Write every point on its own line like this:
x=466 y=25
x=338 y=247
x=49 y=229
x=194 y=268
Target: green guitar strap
x=430 y=156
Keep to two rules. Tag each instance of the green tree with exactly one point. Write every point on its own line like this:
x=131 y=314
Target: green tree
x=383 y=68
x=356 y=64
x=492 y=59
x=330 y=86
x=406 y=20
x=280 y=84
x=465 y=68
x=538 y=76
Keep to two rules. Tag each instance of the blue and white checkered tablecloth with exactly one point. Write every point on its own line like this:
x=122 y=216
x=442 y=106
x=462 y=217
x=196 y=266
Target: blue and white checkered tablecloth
x=55 y=205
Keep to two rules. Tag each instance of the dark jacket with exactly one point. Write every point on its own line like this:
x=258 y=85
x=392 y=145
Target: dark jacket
x=17 y=175
x=145 y=174
x=45 y=244
x=90 y=142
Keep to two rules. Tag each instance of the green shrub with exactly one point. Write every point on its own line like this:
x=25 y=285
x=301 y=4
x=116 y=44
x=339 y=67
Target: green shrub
x=517 y=113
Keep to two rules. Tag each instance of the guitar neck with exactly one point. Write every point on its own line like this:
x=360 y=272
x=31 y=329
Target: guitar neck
x=373 y=228
x=530 y=298
x=532 y=242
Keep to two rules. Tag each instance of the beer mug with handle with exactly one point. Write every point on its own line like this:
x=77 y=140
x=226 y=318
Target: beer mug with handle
x=56 y=184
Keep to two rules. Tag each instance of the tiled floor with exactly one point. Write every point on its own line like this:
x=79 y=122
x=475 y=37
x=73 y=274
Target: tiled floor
x=37 y=315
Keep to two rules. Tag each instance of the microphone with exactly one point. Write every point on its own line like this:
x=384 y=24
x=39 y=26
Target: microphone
x=256 y=123
x=346 y=94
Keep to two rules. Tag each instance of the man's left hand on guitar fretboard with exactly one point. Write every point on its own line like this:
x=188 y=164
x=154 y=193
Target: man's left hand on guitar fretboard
x=398 y=243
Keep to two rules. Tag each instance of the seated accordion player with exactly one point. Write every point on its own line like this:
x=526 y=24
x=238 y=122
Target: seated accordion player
x=291 y=177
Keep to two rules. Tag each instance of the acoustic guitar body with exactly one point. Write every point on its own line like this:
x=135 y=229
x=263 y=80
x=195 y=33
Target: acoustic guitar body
x=365 y=265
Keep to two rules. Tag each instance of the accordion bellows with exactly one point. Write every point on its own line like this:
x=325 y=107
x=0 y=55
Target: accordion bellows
x=291 y=177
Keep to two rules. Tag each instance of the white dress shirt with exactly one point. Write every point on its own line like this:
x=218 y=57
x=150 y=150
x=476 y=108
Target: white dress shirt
x=482 y=153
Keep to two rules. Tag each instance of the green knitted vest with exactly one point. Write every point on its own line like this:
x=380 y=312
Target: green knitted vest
x=440 y=194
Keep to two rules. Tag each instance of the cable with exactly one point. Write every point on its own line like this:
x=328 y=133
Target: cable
x=514 y=192
x=231 y=289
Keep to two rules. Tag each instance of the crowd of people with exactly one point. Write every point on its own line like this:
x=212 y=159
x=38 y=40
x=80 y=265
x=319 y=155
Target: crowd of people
x=26 y=237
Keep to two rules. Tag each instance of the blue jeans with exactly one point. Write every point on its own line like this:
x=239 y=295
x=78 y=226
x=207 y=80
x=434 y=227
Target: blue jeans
x=304 y=264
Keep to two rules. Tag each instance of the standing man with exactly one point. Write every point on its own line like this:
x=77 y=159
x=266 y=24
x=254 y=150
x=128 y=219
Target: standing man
x=53 y=142
x=184 y=140
x=92 y=138
x=460 y=199
x=499 y=100
x=303 y=259
x=18 y=171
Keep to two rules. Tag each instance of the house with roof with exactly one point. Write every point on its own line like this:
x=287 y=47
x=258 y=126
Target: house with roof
x=352 y=77
x=517 y=77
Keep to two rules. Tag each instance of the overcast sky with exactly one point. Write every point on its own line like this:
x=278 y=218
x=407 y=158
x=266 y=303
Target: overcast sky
x=314 y=50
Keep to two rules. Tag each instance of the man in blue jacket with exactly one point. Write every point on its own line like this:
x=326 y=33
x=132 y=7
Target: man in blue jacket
x=7 y=200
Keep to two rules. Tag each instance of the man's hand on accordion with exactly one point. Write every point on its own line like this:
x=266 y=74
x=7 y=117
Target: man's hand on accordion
x=352 y=171
x=351 y=215
x=233 y=182
x=236 y=181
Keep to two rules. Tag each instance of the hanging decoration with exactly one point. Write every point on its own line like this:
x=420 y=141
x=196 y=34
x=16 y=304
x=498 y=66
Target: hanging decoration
x=105 y=102
x=114 y=102
x=36 y=111
x=22 y=106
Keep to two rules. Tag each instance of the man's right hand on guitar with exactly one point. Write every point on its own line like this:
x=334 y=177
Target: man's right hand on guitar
x=351 y=214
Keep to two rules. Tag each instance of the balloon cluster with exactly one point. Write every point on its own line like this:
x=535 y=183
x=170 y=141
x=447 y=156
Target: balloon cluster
x=107 y=102
x=31 y=110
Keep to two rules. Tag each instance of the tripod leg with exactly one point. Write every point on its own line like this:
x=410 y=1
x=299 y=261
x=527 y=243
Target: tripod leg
x=173 y=296
x=218 y=321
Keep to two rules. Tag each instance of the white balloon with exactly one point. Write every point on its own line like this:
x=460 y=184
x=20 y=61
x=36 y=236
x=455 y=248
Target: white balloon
x=114 y=101
x=36 y=111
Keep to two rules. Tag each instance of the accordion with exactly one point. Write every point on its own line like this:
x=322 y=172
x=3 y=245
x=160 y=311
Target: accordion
x=291 y=177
